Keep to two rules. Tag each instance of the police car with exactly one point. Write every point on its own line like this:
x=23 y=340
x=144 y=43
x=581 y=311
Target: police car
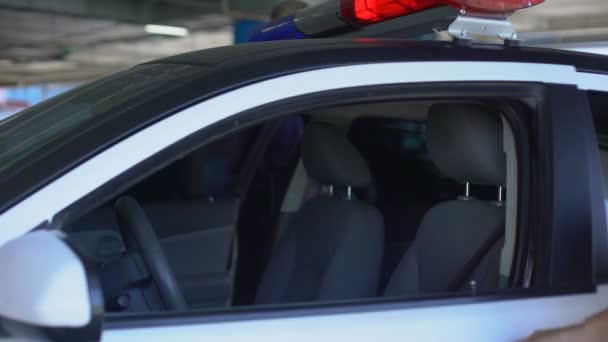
x=354 y=186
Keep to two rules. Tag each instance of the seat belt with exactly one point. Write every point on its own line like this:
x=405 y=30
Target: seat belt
x=469 y=267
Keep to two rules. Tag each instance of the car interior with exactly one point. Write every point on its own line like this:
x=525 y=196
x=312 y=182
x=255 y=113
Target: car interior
x=393 y=199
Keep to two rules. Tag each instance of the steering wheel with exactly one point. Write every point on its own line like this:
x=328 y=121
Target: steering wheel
x=140 y=235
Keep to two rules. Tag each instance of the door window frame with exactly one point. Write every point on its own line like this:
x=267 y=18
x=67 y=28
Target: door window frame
x=490 y=91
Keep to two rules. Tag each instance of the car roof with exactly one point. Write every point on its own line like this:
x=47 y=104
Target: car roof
x=324 y=51
x=222 y=69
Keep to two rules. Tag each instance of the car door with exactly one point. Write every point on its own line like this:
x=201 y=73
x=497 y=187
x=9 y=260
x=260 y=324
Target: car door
x=562 y=266
x=565 y=235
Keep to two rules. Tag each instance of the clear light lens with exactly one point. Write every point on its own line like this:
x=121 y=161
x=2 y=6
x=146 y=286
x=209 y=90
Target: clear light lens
x=494 y=6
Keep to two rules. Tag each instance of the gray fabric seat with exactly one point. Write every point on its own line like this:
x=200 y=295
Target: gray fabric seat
x=332 y=249
x=465 y=142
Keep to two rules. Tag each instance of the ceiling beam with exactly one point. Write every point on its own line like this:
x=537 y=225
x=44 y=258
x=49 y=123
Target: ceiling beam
x=130 y=11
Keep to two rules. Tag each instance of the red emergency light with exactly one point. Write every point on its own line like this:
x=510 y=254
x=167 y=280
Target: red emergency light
x=366 y=12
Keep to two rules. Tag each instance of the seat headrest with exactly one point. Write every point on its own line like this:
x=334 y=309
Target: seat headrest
x=465 y=142
x=331 y=159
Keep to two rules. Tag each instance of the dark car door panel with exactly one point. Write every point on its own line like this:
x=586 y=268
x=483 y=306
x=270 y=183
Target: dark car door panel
x=198 y=238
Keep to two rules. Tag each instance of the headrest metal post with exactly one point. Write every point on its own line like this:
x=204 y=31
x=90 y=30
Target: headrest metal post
x=331 y=190
x=500 y=194
x=467 y=191
x=349 y=192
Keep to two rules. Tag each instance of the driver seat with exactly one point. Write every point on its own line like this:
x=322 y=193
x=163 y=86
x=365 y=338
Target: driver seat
x=332 y=249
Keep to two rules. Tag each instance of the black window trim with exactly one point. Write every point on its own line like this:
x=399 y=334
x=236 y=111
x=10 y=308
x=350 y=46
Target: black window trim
x=564 y=250
x=600 y=229
x=528 y=94
x=380 y=304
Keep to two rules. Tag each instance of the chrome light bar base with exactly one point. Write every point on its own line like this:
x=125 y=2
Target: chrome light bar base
x=467 y=28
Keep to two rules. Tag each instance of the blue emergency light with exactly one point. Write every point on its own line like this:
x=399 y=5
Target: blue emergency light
x=282 y=29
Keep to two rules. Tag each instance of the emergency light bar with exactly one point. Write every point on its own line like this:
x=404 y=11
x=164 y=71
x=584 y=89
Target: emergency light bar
x=366 y=12
x=343 y=16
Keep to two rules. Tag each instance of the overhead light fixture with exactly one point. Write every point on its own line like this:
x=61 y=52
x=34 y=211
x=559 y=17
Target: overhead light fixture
x=175 y=31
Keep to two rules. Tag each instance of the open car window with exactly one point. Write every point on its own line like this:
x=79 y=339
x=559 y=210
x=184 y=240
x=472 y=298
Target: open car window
x=233 y=246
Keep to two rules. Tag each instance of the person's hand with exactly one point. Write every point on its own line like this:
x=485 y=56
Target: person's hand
x=573 y=333
x=594 y=329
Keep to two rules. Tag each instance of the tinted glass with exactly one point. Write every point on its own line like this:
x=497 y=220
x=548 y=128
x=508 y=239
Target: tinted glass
x=27 y=132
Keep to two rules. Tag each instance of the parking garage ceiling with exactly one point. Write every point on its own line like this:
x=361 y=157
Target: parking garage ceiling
x=69 y=40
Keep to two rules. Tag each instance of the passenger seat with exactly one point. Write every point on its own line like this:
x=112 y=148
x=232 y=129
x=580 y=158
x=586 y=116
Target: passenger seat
x=458 y=241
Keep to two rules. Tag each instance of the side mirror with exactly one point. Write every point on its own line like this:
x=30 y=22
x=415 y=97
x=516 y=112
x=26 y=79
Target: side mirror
x=46 y=291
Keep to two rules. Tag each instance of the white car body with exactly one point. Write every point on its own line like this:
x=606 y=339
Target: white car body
x=502 y=320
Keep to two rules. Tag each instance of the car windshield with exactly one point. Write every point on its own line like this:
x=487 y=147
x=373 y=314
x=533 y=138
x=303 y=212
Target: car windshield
x=28 y=132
